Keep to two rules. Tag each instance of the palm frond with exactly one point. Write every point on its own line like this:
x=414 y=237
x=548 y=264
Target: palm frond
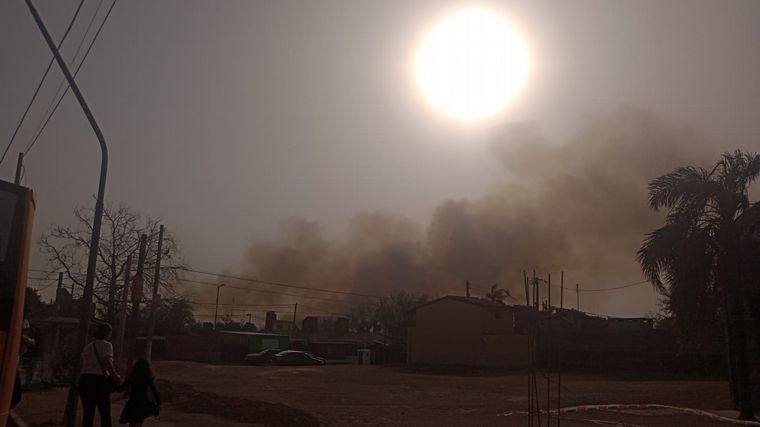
x=684 y=183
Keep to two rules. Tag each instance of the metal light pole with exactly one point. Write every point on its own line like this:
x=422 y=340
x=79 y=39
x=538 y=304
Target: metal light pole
x=84 y=321
x=216 y=308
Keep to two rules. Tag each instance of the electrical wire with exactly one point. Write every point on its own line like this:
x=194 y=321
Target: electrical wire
x=68 y=87
x=42 y=81
x=614 y=288
x=286 y=285
x=61 y=84
x=199 y=282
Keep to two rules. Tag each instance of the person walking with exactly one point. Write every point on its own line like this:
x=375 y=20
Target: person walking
x=98 y=378
x=140 y=405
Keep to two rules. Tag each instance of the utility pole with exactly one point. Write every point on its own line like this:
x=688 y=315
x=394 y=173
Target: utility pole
x=154 y=300
x=97 y=220
x=57 y=310
x=549 y=293
x=559 y=353
x=577 y=297
x=136 y=294
x=58 y=294
x=19 y=168
x=216 y=308
x=293 y=326
x=123 y=314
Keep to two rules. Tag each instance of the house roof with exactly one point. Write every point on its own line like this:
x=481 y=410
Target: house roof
x=467 y=300
x=264 y=334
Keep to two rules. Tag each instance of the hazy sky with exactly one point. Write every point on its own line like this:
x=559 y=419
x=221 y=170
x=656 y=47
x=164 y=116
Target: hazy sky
x=226 y=117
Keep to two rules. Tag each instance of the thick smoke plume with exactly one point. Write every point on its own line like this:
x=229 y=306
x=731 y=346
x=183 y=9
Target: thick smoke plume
x=578 y=206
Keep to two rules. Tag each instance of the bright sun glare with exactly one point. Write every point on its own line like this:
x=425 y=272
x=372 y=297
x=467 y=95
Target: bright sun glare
x=471 y=64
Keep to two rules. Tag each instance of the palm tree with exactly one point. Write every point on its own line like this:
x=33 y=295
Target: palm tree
x=497 y=295
x=705 y=254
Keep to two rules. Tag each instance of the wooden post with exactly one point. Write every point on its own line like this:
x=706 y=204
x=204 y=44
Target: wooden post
x=549 y=293
x=527 y=293
x=467 y=288
x=577 y=297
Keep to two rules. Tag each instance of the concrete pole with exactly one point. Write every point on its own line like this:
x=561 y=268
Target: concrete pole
x=216 y=308
x=293 y=326
x=19 y=168
x=58 y=294
x=123 y=314
x=154 y=300
x=136 y=299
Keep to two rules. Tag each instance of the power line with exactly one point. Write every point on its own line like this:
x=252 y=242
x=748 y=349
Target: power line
x=199 y=282
x=614 y=288
x=39 y=85
x=212 y=303
x=38 y=129
x=286 y=285
x=68 y=87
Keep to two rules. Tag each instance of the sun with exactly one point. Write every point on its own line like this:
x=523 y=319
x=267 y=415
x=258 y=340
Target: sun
x=471 y=64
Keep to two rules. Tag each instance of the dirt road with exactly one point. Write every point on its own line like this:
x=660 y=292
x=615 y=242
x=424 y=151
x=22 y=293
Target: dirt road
x=352 y=395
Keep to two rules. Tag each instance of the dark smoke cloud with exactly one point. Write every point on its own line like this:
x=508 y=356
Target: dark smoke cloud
x=578 y=206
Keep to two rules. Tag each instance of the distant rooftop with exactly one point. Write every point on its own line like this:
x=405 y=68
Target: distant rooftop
x=265 y=334
x=467 y=300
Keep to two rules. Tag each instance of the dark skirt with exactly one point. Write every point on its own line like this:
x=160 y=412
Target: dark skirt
x=136 y=410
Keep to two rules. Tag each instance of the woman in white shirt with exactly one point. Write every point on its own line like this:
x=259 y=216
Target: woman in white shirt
x=94 y=386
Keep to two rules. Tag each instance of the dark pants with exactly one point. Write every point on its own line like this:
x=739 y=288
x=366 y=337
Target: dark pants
x=16 y=397
x=95 y=393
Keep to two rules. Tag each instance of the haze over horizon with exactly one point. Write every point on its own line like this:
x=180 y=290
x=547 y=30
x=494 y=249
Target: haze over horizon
x=254 y=127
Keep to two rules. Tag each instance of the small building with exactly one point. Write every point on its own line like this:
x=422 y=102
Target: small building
x=456 y=330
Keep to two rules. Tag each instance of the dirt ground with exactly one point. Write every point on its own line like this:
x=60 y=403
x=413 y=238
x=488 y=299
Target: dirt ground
x=352 y=395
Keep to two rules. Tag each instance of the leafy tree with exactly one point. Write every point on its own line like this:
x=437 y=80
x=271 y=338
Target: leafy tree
x=66 y=248
x=704 y=259
x=174 y=316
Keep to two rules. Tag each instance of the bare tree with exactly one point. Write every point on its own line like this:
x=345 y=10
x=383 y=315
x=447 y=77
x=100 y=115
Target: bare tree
x=66 y=248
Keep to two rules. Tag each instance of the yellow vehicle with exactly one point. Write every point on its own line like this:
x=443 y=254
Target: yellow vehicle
x=16 y=213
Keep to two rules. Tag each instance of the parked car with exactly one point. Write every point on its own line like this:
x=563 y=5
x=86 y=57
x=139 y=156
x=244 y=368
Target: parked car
x=263 y=357
x=296 y=358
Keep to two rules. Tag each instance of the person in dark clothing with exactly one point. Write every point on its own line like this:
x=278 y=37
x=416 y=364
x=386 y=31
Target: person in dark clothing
x=94 y=385
x=140 y=405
